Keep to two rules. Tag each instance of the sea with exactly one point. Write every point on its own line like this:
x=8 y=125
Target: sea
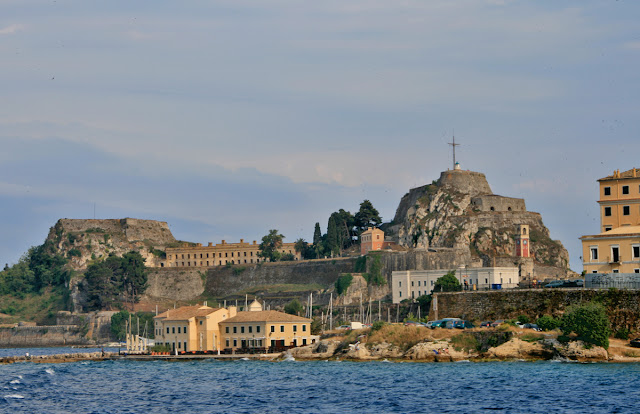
x=290 y=386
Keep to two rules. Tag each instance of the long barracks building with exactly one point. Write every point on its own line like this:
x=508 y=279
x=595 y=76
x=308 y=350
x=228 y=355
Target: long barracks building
x=220 y=254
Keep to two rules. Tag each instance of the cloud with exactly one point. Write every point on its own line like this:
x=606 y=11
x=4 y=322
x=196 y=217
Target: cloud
x=11 y=29
x=632 y=45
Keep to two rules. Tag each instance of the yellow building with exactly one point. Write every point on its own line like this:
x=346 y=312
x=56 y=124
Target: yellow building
x=265 y=330
x=620 y=200
x=191 y=328
x=220 y=254
x=617 y=248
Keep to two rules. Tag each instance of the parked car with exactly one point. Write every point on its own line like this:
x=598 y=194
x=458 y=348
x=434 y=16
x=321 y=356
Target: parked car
x=555 y=284
x=463 y=324
x=449 y=322
x=532 y=326
x=344 y=327
x=485 y=324
x=635 y=343
x=497 y=323
x=429 y=323
x=519 y=324
x=437 y=324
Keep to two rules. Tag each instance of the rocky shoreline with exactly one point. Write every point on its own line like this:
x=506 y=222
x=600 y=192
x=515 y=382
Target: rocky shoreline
x=52 y=359
x=443 y=351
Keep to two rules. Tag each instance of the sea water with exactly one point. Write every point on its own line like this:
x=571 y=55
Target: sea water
x=212 y=386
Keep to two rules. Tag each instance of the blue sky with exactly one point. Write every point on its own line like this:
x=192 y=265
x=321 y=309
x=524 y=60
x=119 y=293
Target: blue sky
x=230 y=118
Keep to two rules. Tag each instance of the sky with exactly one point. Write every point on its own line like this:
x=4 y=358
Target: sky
x=228 y=118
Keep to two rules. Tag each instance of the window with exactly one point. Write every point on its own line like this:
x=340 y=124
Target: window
x=242 y=329
x=400 y=283
x=178 y=329
x=594 y=253
x=607 y=191
x=295 y=328
x=615 y=254
x=304 y=328
x=608 y=228
x=281 y=328
x=595 y=271
x=235 y=329
x=273 y=328
x=399 y=294
x=250 y=329
x=257 y=328
x=607 y=211
x=235 y=343
x=412 y=283
x=636 y=251
x=227 y=342
x=625 y=189
x=173 y=329
x=636 y=270
x=226 y=329
x=179 y=345
x=167 y=329
x=626 y=210
x=418 y=283
x=616 y=271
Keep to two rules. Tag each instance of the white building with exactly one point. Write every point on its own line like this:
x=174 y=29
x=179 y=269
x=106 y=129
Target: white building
x=409 y=284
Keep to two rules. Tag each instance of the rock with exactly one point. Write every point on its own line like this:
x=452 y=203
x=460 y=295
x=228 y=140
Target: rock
x=435 y=351
x=576 y=351
x=322 y=349
x=385 y=350
x=519 y=349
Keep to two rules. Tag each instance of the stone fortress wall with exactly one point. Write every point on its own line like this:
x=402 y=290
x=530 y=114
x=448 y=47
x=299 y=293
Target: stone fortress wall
x=492 y=202
x=157 y=232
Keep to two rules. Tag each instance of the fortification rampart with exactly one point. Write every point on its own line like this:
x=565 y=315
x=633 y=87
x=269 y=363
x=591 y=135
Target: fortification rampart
x=623 y=306
x=466 y=182
x=498 y=203
x=156 y=232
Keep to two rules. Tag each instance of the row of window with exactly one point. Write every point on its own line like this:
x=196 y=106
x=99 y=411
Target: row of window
x=213 y=263
x=213 y=255
x=257 y=343
x=626 y=211
x=250 y=329
x=625 y=190
x=173 y=330
x=615 y=253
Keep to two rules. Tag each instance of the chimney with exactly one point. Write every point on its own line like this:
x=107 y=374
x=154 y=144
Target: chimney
x=224 y=242
x=210 y=244
x=241 y=241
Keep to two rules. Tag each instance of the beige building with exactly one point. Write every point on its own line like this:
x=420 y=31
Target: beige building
x=411 y=284
x=617 y=248
x=265 y=329
x=191 y=328
x=220 y=254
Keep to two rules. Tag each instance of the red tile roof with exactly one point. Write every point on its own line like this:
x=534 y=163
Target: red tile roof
x=266 y=316
x=617 y=175
x=186 y=312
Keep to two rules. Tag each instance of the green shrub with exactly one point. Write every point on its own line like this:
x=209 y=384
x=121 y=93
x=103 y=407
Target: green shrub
x=622 y=333
x=548 y=323
x=343 y=283
x=74 y=253
x=465 y=341
x=377 y=325
x=361 y=265
x=294 y=307
x=524 y=319
x=160 y=348
x=589 y=322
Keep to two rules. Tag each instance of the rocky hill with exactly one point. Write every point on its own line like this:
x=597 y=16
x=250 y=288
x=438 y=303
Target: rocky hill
x=82 y=241
x=460 y=211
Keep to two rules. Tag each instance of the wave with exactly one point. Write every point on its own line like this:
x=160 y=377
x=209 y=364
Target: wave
x=15 y=396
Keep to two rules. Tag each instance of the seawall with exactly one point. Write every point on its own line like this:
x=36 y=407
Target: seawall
x=623 y=306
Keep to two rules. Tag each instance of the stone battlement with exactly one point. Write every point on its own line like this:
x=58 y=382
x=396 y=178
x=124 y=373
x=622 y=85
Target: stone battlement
x=466 y=182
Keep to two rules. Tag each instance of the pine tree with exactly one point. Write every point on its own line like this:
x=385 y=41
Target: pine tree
x=332 y=237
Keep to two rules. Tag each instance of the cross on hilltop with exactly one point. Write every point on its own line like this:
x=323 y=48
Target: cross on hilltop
x=453 y=146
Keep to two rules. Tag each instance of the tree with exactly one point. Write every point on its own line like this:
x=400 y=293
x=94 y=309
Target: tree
x=548 y=323
x=344 y=228
x=302 y=247
x=367 y=216
x=447 y=283
x=332 y=238
x=317 y=241
x=589 y=322
x=294 y=307
x=374 y=276
x=270 y=246
x=343 y=282
x=424 y=301
x=134 y=275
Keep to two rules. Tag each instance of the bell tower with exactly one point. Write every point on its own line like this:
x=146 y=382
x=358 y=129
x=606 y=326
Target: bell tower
x=522 y=241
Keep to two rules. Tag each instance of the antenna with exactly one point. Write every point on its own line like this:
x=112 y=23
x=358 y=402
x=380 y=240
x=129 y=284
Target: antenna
x=454 y=145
